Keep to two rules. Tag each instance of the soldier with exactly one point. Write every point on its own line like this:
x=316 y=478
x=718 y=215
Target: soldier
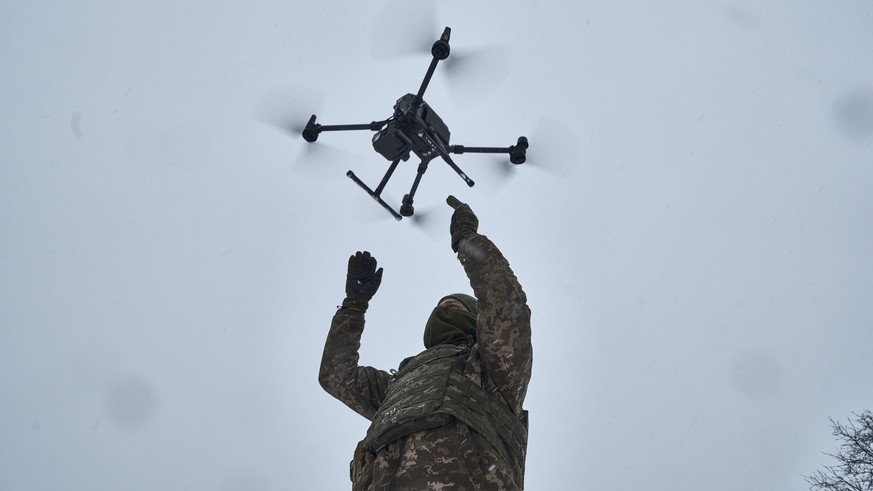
x=450 y=417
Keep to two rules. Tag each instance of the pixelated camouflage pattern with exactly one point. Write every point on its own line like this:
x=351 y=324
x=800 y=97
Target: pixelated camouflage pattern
x=451 y=456
x=431 y=390
x=415 y=395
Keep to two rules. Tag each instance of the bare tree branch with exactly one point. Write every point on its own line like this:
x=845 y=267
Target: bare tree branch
x=854 y=469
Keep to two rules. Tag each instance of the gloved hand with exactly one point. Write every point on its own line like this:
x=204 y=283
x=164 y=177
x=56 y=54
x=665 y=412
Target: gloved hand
x=464 y=221
x=362 y=281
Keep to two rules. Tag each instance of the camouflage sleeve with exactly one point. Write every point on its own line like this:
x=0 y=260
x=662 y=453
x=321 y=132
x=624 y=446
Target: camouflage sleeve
x=504 y=318
x=360 y=388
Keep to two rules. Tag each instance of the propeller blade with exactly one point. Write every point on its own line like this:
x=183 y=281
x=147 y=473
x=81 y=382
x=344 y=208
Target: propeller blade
x=404 y=28
x=432 y=221
x=495 y=172
x=322 y=161
x=288 y=107
x=475 y=73
x=554 y=147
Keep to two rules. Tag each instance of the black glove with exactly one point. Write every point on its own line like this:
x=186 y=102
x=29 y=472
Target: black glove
x=362 y=281
x=464 y=222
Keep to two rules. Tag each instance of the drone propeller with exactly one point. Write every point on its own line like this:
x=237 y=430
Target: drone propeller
x=473 y=73
x=288 y=107
x=494 y=171
x=321 y=160
x=554 y=147
x=404 y=29
x=432 y=221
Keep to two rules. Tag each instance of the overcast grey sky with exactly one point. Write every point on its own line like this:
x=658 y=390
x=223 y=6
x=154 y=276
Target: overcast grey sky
x=693 y=232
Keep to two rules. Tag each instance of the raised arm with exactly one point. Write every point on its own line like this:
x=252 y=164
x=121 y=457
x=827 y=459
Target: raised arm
x=503 y=325
x=360 y=388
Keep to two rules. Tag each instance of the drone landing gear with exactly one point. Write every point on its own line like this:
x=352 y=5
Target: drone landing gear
x=376 y=195
x=406 y=207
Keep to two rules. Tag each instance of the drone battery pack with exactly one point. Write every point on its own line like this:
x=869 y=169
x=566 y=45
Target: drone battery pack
x=390 y=145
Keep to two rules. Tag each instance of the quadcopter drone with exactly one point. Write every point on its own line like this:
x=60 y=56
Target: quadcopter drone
x=414 y=127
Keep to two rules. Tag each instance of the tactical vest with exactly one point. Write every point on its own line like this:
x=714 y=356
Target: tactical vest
x=431 y=391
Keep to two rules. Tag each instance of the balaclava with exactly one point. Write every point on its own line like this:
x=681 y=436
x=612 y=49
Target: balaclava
x=449 y=325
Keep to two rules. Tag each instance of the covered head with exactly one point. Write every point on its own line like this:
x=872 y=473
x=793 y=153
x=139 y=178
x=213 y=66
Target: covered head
x=453 y=321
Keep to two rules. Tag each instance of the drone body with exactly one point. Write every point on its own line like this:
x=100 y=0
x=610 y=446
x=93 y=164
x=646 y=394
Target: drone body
x=414 y=128
x=408 y=132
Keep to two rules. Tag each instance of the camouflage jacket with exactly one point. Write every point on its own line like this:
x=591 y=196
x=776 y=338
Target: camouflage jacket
x=451 y=456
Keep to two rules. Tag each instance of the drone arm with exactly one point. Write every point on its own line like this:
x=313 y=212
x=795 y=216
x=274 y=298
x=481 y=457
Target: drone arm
x=440 y=51
x=374 y=126
x=517 y=153
x=459 y=149
x=313 y=129
x=427 y=77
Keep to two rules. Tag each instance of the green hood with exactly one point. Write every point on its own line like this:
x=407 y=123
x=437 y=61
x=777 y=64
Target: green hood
x=449 y=325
